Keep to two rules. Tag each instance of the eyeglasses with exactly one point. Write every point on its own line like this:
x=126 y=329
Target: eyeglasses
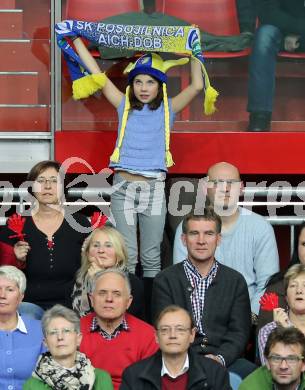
x=63 y=331
x=166 y=330
x=290 y=359
x=43 y=180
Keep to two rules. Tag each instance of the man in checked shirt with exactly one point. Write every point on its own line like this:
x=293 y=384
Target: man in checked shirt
x=216 y=295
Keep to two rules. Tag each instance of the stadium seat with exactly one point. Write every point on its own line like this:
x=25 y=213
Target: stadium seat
x=218 y=17
x=95 y=10
x=294 y=56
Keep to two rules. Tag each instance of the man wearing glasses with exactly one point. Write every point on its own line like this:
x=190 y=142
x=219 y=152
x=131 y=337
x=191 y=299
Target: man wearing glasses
x=247 y=243
x=284 y=352
x=175 y=366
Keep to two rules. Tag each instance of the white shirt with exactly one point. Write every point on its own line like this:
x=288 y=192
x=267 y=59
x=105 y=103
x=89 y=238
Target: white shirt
x=21 y=325
x=184 y=368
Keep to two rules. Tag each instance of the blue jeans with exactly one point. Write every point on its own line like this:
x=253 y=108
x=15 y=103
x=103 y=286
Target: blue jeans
x=266 y=45
x=242 y=367
x=143 y=203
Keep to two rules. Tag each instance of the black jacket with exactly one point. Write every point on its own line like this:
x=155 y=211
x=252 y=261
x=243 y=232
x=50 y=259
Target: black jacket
x=288 y=16
x=226 y=315
x=203 y=373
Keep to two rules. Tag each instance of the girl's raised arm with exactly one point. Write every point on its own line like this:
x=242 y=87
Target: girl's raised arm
x=110 y=91
x=188 y=94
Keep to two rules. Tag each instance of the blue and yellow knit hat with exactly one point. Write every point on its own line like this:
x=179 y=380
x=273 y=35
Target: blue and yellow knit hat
x=152 y=65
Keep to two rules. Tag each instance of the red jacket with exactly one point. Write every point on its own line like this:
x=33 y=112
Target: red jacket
x=7 y=256
x=115 y=355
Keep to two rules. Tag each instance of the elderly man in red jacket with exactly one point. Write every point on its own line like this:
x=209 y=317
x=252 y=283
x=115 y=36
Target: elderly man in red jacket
x=112 y=338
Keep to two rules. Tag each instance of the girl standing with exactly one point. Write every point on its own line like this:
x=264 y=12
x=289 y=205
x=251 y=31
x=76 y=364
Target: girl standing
x=142 y=156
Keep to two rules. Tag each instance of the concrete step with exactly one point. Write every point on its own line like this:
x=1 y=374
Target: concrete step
x=24 y=117
x=11 y=23
x=18 y=87
x=8 y=4
x=24 y=55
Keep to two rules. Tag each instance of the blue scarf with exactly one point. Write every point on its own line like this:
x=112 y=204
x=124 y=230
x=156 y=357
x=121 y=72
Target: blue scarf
x=175 y=39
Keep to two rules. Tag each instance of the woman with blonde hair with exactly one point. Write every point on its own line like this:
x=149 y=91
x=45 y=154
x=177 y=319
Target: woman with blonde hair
x=294 y=313
x=104 y=248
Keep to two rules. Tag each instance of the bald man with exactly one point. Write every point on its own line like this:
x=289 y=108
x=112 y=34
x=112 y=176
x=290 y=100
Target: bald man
x=248 y=243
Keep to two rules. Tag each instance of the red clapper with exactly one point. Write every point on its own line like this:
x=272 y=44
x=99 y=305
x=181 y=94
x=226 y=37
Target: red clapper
x=16 y=224
x=98 y=220
x=269 y=301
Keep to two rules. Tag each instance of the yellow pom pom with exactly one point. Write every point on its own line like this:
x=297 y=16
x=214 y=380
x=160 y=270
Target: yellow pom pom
x=209 y=100
x=115 y=157
x=100 y=79
x=84 y=87
x=169 y=159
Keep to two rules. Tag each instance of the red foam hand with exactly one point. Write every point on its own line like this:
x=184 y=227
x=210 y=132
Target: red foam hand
x=16 y=224
x=98 y=220
x=269 y=301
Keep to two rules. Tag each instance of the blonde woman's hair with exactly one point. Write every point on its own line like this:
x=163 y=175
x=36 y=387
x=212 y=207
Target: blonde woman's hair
x=119 y=245
x=292 y=273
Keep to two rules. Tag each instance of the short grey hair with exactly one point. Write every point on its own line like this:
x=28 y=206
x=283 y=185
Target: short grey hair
x=15 y=275
x=116 y=271
x=59 y=311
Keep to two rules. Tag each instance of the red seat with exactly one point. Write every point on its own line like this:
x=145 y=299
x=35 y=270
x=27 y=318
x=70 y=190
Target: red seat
x=217 y=17
x=95 y=10
x=286 y=54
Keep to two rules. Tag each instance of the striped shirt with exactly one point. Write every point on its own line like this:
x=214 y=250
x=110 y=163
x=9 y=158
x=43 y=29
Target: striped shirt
x=262 y=338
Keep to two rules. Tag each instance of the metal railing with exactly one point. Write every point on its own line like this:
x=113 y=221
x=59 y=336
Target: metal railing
x=101 y=197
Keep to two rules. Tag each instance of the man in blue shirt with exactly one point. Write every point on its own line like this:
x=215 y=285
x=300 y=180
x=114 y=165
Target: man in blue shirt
x=215 y=295
x=247 y=243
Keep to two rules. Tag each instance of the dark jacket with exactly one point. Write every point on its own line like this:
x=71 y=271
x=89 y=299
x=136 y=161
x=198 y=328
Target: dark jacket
x=246 y=15
x=288 y=16
x=203 y=373
x=226 y=315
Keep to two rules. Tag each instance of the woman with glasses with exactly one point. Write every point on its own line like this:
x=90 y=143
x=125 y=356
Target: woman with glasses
x=104 y=248
x=49 y=247
x=276 y=282
x=63 y=366
x=21 y=339
x=294 y=313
